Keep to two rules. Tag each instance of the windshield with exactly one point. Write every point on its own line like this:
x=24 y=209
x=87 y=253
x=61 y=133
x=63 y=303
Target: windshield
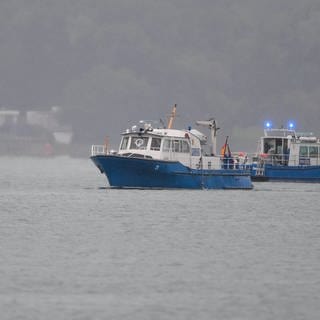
x=139 y=143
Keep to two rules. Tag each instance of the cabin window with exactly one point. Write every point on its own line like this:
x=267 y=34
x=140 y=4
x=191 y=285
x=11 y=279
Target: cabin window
x=303 y=151
x=124 y=143
x=269 y=146
x=139 y=143
x=313 y=152
x=176 y=145
x=155 y=144
x=166 y=145
x=195 y=152
x=279 y=146
x=185 y=148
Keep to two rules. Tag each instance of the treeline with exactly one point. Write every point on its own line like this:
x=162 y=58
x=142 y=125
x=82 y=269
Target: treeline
x=109 y=61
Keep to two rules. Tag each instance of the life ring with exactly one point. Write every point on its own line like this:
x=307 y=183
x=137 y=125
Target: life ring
x=138 y=143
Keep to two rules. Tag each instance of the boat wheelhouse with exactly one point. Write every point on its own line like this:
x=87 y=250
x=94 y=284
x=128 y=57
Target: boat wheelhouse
x=287 y=155
x=169 y=158
x=184 y=146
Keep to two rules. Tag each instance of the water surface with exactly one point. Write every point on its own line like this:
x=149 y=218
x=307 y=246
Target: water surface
x=72 y=249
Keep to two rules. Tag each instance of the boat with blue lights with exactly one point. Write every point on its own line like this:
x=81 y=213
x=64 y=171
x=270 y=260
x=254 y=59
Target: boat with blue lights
x=167 y=158
x=286 y=155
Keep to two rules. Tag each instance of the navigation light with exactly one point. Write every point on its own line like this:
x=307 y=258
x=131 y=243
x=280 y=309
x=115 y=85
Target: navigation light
x=291 y=125
x=267 y=124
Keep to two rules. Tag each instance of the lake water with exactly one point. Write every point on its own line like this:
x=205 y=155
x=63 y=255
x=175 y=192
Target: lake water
x=72 y=249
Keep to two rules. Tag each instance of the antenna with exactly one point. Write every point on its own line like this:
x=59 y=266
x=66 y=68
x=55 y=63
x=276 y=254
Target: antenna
x=172 y=116
x=162 y=123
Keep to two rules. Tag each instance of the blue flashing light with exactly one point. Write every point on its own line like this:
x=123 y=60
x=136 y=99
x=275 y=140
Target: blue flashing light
x=291 y=125
x=267 y=124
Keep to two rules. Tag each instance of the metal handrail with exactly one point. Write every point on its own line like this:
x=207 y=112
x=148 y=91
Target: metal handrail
x=284 y=159
x=98 y=150
x=234 y=163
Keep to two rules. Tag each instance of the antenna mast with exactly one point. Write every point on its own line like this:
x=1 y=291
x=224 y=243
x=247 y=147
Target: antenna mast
x=172 y=116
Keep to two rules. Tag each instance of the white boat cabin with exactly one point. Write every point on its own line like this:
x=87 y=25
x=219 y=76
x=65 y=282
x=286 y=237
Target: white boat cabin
x=185 y=146
x=288 y=147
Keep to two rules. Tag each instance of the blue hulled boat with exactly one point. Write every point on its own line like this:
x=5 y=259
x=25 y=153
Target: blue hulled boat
x=287 y=155
x=166 y=158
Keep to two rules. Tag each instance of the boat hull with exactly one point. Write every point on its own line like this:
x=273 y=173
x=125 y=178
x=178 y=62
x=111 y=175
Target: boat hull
x=124 y=172
x=287 y=173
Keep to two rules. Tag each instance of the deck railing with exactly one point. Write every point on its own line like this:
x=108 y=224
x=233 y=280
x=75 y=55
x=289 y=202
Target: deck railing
x=239 y=163
x=98 y=150
x=284 y=160
x=234 y=163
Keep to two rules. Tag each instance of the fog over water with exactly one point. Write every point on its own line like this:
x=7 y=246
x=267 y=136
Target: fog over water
x=110 y=63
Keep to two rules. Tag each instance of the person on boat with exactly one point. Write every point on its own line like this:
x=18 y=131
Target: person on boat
x=226 y=155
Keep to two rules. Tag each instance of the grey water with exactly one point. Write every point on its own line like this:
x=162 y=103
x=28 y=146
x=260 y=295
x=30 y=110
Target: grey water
x=72 y=249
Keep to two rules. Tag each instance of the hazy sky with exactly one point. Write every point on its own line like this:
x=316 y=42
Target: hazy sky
x=109 y=63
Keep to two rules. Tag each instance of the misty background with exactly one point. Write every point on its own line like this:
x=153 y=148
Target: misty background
x=109 y=63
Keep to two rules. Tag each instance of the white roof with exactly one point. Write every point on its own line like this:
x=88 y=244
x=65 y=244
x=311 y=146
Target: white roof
x=162 y=132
